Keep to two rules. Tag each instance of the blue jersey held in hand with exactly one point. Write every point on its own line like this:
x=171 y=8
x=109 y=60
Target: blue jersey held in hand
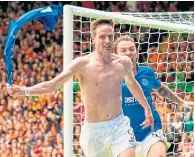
x=133 y=109
x=49 y=15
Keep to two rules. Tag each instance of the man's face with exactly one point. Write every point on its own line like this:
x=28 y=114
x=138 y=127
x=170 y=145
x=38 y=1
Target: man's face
x=127 y=48
x=103 y=39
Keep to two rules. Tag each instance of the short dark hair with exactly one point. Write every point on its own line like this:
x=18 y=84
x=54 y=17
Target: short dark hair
x=99 y=22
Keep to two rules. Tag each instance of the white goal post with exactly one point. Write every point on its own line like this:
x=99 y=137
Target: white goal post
x=179 y=22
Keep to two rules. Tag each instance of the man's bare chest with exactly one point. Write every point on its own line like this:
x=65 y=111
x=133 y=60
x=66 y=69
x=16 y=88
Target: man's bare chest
x=105 y=75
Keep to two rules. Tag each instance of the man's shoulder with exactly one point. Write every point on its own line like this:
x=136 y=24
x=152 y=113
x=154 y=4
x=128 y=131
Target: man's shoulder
x=83 y=59
x=118 y=56
x=146 y=71
x=146 y=68
x=121 y=59
x=79 y=63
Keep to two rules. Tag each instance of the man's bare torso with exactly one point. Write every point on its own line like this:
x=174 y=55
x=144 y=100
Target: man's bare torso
x=101 y=88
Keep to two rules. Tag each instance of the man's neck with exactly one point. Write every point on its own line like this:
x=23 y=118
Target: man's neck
x=102 y=59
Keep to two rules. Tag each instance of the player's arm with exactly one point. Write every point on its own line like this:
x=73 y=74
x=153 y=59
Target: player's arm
x=167 y=93
x=48 y=87
x=134 y=86
x=137 y=92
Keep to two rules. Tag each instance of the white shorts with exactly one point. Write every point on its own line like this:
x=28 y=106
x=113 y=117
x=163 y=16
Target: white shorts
x=108 y=138
x=143 y=147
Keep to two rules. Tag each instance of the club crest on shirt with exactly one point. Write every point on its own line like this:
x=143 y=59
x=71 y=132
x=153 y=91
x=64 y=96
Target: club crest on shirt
x=144 y=82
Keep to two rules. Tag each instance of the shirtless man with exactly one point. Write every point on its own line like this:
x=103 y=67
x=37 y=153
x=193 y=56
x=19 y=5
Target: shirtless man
x=106 y=131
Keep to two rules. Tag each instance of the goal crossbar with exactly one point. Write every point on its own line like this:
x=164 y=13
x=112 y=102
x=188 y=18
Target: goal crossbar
x=139 y=19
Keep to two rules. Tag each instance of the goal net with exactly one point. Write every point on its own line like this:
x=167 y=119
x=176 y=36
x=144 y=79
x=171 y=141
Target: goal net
x=165 y=42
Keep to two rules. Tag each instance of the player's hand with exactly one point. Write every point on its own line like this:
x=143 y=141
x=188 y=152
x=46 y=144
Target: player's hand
x=14 y=90
x=149 y=121
x=188 y=105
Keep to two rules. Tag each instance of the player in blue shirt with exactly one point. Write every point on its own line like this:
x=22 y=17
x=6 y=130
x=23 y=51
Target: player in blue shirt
x=152 y=144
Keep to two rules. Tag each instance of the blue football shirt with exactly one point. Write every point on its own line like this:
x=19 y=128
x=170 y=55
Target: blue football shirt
x=133 y=109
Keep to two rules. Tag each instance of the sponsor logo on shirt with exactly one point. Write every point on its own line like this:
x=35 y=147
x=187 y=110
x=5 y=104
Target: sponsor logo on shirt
x=129 y=101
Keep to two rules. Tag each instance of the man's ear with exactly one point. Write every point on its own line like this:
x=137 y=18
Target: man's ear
x=92 y=39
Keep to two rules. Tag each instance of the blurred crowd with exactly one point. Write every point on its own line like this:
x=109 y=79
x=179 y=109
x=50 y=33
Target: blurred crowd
x=34 y=126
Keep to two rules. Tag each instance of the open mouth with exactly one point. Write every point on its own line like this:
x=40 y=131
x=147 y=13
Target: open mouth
x=107 y=47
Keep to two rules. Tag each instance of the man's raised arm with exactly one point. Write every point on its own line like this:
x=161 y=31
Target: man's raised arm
x=137 y=92
x=167 y=93
x=47 y=87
